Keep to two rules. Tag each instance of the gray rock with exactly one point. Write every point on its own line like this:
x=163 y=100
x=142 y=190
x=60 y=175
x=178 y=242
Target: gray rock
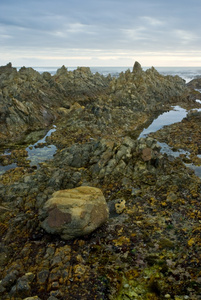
x=21 y=289
x=9 y=279
x=75 y=212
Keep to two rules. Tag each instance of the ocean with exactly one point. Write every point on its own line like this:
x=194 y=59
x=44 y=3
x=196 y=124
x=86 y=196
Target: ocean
x=187 y=73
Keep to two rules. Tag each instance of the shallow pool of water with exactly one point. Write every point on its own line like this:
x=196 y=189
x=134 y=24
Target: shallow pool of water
x=166 y=149
x=167 y=118
x=37 y=152
x=38 y=155
x=3 y=169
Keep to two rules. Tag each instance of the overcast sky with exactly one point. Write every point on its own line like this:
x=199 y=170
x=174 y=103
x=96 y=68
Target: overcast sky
x=100 y=32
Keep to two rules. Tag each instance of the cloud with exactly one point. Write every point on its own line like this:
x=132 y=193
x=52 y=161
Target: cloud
x=186 y=37
x=117 y=30
x=152 y=21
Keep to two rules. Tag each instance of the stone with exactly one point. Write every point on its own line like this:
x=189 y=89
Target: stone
x=74 y=212
x=21 y=289
x=9 y=279
x=137 y=68
x=120 y=206
x=42 y=276
x=146 y=154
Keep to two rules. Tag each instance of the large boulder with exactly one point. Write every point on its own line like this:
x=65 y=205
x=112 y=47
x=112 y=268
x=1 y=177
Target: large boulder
x=74 y=212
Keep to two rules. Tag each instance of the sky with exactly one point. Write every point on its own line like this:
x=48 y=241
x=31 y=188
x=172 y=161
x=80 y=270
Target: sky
x=100 y=33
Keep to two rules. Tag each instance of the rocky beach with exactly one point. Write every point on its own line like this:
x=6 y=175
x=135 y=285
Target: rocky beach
x=104 y=213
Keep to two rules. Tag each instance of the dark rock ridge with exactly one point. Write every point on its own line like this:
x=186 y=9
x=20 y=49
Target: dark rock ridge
x=195 y=83
x=30 y=100
x=195 y=86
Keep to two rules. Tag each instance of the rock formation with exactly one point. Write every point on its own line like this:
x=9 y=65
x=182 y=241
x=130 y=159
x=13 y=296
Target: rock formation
x=56 y=239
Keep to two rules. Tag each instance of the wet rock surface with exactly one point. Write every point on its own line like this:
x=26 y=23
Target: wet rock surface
x=149 y=247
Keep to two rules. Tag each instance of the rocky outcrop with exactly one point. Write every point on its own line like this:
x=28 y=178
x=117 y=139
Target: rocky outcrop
x=147 y=90
x=56 y=240
x=195 y=86
x=124 y=108
x=74 y=213
x=28 y=102
x=81 y=84
x=31 y=101
x=195 y=83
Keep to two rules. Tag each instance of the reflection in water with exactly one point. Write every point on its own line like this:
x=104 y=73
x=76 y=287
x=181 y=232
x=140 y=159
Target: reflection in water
x=173 y=116
x=166 y=149
x=169 y=118
x=3 y=169
x=36 y=155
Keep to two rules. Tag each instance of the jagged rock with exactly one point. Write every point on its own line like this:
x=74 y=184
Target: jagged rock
x=22 y=287
x=28 y=100
x=32 y=101
x=62 y=71
x=75 y=212
x=6 y=69
x=137 y=69
x=195 y=83
x=81 y=84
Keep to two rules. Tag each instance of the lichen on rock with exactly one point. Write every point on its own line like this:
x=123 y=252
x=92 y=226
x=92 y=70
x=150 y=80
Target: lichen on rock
x=74 y=212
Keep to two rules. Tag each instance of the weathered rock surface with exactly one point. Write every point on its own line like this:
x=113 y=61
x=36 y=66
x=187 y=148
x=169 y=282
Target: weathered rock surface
x=27 y=102
x=195 y=83
x=30 y=100
x=149 y=248
x=75 y=212
x=81 y=84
